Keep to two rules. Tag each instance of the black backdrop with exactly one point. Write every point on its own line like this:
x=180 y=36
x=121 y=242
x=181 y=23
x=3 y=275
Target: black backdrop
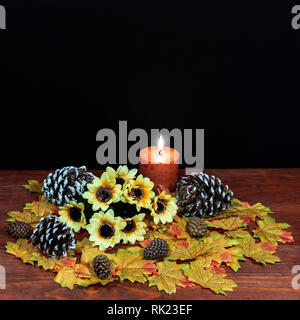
x=70 y=68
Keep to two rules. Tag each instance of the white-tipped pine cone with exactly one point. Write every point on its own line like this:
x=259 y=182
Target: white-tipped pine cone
x=66 y=184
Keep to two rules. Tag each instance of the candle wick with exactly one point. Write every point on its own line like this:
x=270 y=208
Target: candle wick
x=159 y=152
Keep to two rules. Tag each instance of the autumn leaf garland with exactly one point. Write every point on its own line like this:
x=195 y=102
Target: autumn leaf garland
x=190 y=262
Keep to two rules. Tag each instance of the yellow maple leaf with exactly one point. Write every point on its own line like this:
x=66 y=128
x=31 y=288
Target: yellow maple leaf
x=45 y=262
x=88 y=252
x=178 y=229
x=41 y=208
x=132 y=266
x=25 y=216
x=214 y=248
x=231 y=223
x=240 y=233
x=66 y=277
x=168 y=276
x=272 y=232
x=33 y=186
x=207 y=278
x=235 y=254
x=22 y=249
x=254 y=250
x=240 y=208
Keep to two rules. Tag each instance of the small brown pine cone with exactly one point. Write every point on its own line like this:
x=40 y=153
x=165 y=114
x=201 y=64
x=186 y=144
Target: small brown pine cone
x=196 y=227
x=19 y=229
x=102 y=266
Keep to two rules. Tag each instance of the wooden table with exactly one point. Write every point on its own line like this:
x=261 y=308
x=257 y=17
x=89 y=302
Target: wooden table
x=276 y=188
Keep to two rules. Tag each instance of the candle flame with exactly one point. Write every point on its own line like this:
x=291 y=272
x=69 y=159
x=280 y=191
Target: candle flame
x=160 y=144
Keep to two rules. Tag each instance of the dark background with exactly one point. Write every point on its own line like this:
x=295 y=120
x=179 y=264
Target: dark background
x=70 y=68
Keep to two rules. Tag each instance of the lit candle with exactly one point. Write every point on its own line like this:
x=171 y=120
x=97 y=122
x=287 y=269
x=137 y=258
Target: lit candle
x=160 y=165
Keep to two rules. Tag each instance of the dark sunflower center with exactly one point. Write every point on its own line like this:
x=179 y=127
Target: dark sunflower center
x=75 y=214
x=130 y=227
x=120 y=181
x=106 y=231
x=103 y=194
x=137 y=193
x=161 y=206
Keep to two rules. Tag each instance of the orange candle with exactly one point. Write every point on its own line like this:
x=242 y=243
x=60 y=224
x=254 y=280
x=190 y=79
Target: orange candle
x=160 y=165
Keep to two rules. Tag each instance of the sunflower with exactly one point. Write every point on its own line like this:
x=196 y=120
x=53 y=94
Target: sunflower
x=73 y=215
x=164 y=208
x=139 y=192
x=104 y=229
x=134 y=229
x=102 y=192
x=122 y=175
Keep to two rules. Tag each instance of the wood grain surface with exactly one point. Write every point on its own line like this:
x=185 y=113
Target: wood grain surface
x=278 y=189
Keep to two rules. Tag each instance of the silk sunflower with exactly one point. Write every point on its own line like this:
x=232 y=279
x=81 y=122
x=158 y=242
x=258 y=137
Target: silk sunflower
x=104 y=229
x=164 y=208
x=102 y=192
x=139 y=192
x=134 y=230
x=122 y=174
x=73 y=215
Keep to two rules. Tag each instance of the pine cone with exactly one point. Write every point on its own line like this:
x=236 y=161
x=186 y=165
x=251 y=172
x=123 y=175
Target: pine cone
x=66 y=184
x=19 y=229
x=157 y=248
x=53 y=237
x=102 y=267
x=202 y=195
x=196 y=227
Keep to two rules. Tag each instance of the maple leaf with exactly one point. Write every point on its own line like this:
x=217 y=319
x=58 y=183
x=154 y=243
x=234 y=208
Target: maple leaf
x=25 y=216
x=21 y=249
x=178 y=229
x=45 y=262
x=231 y=223
x=184 y=253
x=132 y=266
x=240 y=233
x=41 y=208
x=207 y=278
x=244 y=209
x=270 y=231
x=33 y=186
x=235 y=255
x=168 y=276
x=88 y=252
x=214 y=248
x=66 y=277
x=256 y=251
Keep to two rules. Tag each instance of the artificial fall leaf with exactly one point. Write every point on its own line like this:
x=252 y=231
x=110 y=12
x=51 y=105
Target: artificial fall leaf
x=168 y=276
x=240 y=208
x=45 y=262
x=232 y=223
x=240 y=233
x=33 y=186
x=88 y=252
x=66 y=277
x=21 y=249
x=270 y=231
x=256 y=251
x=132 y=266
x=235 y=255
x=25 y=216
x=184 y=253
x=178 y=229
x=207 y=278
x=214 y=248
x=41 y=208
